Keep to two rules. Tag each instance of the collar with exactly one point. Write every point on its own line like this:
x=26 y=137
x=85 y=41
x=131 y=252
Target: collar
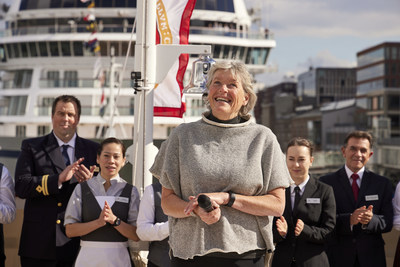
x=350 y=172
x=301 y=186
x=244 y=121
x=71 y=142
x=102 y=181
x=235 y=120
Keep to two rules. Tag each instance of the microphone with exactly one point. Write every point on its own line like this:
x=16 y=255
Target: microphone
x=205 y=203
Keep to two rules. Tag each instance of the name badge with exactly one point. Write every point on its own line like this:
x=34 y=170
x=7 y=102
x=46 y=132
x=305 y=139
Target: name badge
x=313 y=201
x=371 y=197
x=122 y=199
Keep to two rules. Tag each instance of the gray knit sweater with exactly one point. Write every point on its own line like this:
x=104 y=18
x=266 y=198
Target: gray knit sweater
x=206 y=156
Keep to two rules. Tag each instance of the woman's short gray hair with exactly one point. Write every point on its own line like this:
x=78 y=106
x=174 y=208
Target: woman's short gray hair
x=238 y=70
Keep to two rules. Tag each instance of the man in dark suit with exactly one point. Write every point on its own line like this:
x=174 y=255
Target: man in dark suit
x=363 y=207
x=47 y=172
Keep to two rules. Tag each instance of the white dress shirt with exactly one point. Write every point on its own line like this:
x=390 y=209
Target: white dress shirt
x=71 y=147
x=396 y=208
x=147 y=230
x=350 y=172
x=301 y=186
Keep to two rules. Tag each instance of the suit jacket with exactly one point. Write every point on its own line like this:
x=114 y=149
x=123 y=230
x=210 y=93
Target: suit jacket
x=36 y=181
x=364 y=242
x=317 y=210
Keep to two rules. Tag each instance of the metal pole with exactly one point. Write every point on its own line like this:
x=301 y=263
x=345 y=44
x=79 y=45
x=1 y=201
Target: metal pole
x=145 y=63
x=111 y=130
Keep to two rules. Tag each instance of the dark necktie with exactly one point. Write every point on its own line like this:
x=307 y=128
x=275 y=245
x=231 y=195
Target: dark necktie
x=296 y=199
x=354 y=185
x=65 y=155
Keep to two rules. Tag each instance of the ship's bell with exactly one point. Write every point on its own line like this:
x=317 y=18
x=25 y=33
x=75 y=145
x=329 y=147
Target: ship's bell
x=198 y=78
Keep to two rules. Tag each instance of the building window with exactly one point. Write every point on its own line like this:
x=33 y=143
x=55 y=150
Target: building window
x=24 y=50
x=53 y=79
x=17 y=52
x=20 y=131
x=43 y=130
x=45 y=106
x=78 y=48
x=22 y=78
x=71 y=79
x=65 y=49
x=33 y=49
x=43 y=49
x=17 y=105
x=54 y=51
x=10 y=51
x=2 y=53
x=101 y=131
x=394 y=102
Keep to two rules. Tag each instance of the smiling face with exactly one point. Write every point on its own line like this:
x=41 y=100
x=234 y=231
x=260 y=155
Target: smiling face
x=65 y=120
x=298 y=161
x=111 y=160
x=226 y=95
x=357 y=152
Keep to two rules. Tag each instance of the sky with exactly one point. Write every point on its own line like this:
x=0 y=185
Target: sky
x=324 y=33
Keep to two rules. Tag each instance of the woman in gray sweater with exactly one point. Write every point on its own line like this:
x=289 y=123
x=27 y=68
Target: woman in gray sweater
x=238 y=164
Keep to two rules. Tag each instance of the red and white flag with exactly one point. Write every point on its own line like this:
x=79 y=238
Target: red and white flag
x=173 y=21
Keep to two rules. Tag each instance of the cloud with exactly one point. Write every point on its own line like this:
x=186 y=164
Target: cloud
x=326 y=19
x=326 y=33
x=323 y=58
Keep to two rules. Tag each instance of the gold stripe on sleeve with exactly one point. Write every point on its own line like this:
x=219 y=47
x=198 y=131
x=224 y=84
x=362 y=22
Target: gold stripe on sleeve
x=44 y=185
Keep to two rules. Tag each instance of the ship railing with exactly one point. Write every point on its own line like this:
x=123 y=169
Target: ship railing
x=78 y=83
x=218 y=31
x=89 y=111
x=27 y=30
x=117 y=28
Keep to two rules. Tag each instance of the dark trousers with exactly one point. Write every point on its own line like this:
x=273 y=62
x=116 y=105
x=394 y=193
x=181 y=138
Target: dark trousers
x=217 y=262
x=2 y=255
x=31 y=262
x=396 y=261
x=150 y=264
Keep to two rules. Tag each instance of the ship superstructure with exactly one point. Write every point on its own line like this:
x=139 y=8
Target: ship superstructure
x=47 y=49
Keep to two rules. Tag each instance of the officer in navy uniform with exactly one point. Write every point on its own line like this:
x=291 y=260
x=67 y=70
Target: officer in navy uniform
x=47 y=171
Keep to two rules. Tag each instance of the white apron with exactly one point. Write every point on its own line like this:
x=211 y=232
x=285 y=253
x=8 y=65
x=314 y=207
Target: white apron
x=103 y=254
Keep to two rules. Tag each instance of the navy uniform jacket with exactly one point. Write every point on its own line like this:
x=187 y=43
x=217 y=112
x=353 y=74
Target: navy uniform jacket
x=364 y=242
x=36 y=180
x=317 y=210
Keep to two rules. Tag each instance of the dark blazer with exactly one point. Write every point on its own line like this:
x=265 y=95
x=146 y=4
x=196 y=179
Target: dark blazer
x=36 y=181
x=367 y=244
x=319 y=221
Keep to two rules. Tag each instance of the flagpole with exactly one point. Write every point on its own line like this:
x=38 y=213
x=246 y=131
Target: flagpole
x=145 y=63
x=152 y=63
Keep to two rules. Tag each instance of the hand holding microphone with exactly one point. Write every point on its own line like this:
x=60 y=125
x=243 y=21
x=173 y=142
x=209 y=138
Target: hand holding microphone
x=205 y=203
x=208 y=211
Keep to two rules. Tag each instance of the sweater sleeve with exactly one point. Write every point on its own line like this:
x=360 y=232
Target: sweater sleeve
x=275 y=171
x=166 y=164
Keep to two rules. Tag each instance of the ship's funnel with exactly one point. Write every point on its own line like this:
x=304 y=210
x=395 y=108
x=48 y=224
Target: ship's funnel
x=198 y=78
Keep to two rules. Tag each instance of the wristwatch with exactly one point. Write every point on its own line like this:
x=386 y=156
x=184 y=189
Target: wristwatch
x=232 y=198
x=117 y=222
